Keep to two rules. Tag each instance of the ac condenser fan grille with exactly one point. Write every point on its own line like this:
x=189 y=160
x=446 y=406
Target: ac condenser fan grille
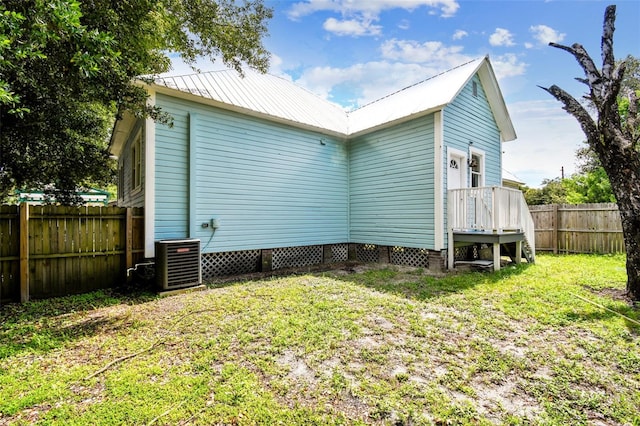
x=178 y=263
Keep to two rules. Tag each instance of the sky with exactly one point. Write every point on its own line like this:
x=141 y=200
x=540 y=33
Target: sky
x=352 y=52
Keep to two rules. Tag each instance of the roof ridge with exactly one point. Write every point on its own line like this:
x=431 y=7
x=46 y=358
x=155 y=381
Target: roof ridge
x=417 y=83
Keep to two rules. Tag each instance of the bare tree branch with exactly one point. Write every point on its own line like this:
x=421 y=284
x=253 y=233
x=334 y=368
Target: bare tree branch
x=582 y=80
x=606 y=44
x=573 y=107
x=588 y=66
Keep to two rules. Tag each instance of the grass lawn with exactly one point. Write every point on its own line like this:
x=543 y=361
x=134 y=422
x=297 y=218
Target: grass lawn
x=370 y=346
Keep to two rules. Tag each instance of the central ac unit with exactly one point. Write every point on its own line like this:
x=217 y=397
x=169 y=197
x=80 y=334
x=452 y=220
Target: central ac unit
x=178 y=263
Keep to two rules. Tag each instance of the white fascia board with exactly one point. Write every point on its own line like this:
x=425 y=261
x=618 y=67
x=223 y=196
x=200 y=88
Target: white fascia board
x=120 y=133
x=149 y=181
x=496 y=102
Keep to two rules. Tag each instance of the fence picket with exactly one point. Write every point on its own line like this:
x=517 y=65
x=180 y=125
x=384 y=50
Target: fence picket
x=70 y=249
x=581 y=228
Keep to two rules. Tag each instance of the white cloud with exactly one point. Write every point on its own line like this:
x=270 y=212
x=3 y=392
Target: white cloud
x=545 y=35
x=275 y=67
x=403 y=63
x=528 y=45
x=547 y=141
x=404 y=24
x=447 y=8
x=434 y=52
x=367 y=82
x=351 y=27
x=508 y=65
x=501 y=37
x=459 y=34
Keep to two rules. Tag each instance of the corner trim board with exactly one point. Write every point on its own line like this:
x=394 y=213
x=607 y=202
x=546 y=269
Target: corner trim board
x=193 y=177
x=150 y=182
x=438 y=206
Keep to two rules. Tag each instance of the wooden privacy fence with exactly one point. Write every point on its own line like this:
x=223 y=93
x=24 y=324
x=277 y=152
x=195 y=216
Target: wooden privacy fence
x=579 y=228
x=48 y=251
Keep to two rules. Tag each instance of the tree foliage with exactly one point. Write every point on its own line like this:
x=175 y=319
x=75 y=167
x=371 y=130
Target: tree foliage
x=612 y=136
x=551 y=192
x=592 y=186
x=68 y=67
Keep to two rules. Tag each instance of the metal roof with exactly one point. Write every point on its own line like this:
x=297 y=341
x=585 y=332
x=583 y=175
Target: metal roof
x=281 y=100
x=264 y=94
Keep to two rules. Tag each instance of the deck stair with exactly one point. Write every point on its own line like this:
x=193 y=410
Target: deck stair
x=510 y=248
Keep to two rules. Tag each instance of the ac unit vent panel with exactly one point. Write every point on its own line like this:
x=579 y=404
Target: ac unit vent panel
x=178 y=263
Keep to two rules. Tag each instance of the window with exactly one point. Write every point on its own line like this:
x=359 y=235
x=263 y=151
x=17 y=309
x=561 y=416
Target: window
x=121 y=181
x=476 y=171
x=136 y=162
x=474 y=86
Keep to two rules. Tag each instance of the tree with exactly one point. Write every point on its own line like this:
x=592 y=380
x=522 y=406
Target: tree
x=613 y=138
x=67 y=68
x=589 y=187
x=552 y=192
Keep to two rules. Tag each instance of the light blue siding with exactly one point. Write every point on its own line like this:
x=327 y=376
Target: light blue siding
x=172 y=172
x=468 y=121
x=267 y=185
x=130 y=197
x=270 y=185
x=391 y=186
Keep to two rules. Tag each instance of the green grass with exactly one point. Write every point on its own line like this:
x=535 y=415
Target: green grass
x=382 y=346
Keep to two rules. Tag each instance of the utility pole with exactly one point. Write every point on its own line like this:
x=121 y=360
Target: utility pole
x=562 y=172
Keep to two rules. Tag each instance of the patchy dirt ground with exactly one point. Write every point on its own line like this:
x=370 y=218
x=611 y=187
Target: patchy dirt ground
x=364 y=343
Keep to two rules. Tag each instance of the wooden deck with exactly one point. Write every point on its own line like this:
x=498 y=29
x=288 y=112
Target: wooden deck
x=490 y=215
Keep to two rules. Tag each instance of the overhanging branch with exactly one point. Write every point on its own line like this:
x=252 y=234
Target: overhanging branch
x=594 y=78
x=574 y=108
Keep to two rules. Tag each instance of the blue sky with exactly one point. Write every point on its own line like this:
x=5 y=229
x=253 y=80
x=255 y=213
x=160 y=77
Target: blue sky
x=355 y=51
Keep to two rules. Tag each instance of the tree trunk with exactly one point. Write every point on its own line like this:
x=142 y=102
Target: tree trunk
x=613 y=141
x=623 y=169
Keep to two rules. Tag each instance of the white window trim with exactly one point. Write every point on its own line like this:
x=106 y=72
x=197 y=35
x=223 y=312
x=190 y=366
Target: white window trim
x=480 y=153
x=137 y=162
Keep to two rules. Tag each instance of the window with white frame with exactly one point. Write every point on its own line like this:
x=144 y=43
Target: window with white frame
x=477 y=169
x=136 y=162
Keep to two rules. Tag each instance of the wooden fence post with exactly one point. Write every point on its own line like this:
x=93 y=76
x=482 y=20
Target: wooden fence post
x=555 y=226
x=24 y=252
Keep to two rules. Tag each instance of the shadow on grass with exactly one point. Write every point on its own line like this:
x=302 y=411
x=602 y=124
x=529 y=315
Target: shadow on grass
x=605 y=311
x=40 y=326
x=548 y=304
x=418 y=286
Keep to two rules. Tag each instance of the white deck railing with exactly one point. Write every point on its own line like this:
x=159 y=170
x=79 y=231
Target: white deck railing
x=490 y=209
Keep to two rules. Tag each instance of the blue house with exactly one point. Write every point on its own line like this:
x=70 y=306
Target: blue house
x=268 y=175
